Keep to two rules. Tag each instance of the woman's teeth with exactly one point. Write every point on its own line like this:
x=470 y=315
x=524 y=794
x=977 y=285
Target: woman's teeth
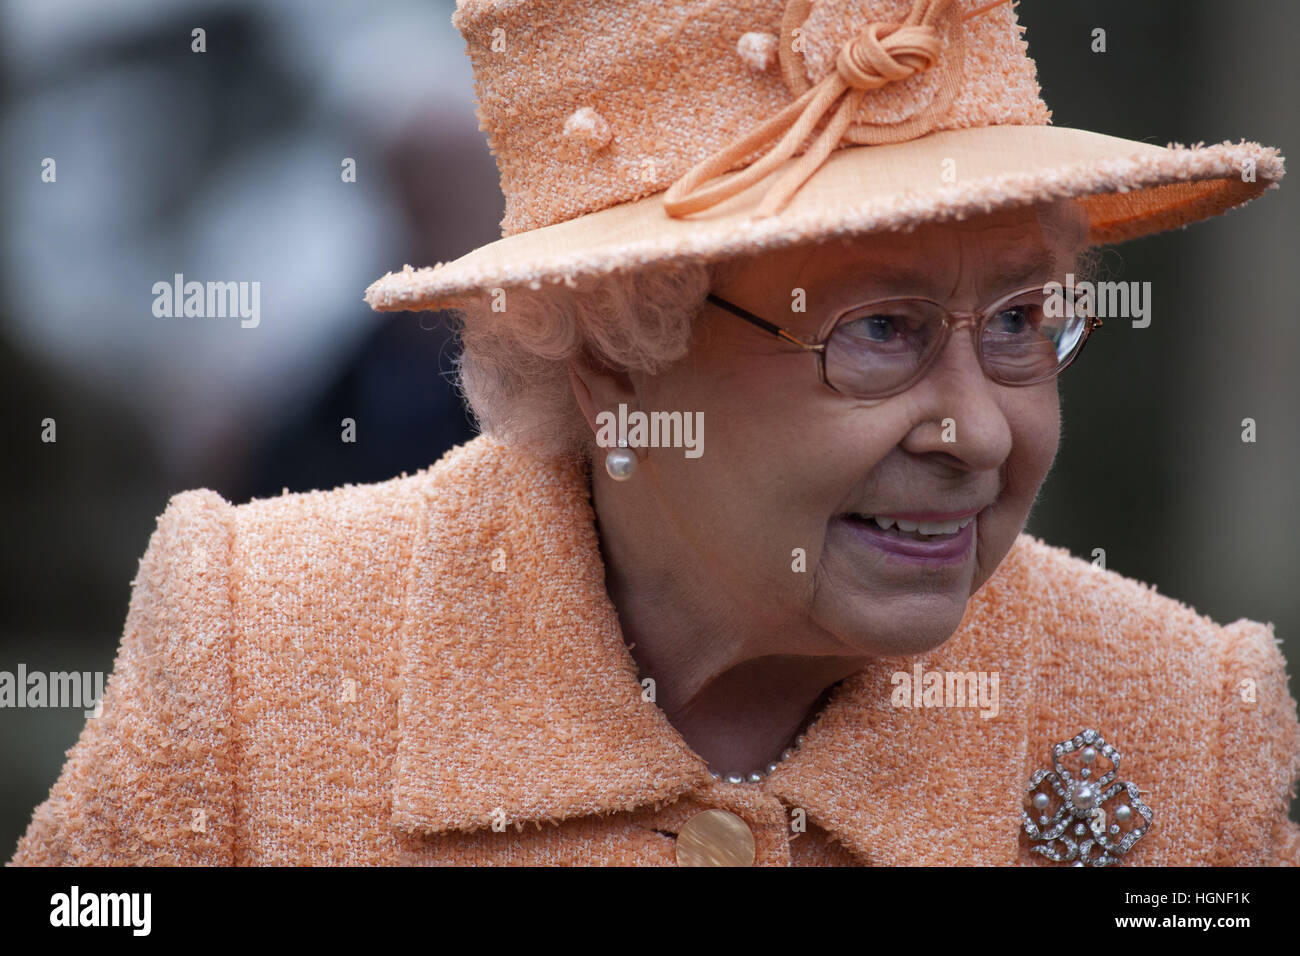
x=919 y=529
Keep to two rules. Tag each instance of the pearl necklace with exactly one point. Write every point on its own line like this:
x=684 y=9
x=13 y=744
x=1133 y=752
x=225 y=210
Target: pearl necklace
x=758 y=776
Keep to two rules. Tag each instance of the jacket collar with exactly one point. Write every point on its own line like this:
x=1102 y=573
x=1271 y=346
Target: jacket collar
x=519 y=696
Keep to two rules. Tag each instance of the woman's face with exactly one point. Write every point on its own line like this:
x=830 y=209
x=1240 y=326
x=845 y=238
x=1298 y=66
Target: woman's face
x=787 y=463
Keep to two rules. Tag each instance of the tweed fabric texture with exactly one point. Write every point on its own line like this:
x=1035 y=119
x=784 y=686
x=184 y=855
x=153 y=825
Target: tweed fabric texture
x=374 y=674
x=640 y=66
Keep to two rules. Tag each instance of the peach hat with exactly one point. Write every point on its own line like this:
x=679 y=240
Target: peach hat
x=631 y=133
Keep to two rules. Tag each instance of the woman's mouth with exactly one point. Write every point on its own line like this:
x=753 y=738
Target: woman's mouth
x=920 y=530
x=932 y=543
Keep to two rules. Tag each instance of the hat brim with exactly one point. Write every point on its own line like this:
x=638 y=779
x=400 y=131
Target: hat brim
x=1130 y=189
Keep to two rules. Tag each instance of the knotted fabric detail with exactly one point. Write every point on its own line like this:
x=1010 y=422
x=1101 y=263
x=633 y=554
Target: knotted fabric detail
x=877 y=56
x=880 y=53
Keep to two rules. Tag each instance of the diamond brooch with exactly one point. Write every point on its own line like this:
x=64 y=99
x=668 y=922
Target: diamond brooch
x=1076 y=813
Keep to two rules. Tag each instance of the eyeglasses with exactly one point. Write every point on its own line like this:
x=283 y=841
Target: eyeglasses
x=886 y=346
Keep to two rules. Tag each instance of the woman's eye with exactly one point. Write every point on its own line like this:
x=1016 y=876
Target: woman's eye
x=880 y=328
x=874 y=328
x=1014 y=320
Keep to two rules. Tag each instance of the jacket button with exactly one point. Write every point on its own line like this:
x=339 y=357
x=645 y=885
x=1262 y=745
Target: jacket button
x=715 y=838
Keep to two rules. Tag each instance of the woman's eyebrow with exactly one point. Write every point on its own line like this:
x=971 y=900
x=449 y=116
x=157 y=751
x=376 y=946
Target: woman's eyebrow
x=899 y=279
x=1038 y=264
x=875 y=281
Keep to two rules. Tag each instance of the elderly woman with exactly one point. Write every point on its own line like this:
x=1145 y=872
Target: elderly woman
x=735 y=573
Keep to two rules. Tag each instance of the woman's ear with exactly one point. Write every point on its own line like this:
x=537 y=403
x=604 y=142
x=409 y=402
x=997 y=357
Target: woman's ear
x=599 y=387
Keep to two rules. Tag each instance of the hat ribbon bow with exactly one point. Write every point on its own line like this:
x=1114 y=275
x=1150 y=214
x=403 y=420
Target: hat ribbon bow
x=879 y=54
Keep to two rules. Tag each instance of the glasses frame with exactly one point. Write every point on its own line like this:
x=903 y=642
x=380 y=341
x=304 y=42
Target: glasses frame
x=952 y=322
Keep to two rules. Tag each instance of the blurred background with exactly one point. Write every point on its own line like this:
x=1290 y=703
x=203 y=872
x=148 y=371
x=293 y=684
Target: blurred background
x=227 y=165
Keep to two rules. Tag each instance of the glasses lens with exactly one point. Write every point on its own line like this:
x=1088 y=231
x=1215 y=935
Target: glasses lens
x=1032 y=336
x=878 y=348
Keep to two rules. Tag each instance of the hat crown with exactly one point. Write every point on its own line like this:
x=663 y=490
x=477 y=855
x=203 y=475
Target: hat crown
x=592 y=103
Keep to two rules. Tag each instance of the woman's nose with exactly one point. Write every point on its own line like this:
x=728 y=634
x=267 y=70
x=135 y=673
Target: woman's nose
x=958 y=409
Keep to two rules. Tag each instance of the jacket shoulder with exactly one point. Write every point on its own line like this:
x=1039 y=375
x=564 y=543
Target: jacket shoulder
x=311 y=566
x=1065 y=589
x=151 y=780
x=355 y=517
x=358 y=518
x=1201 y=711
x=302 y=556
x=147 y=781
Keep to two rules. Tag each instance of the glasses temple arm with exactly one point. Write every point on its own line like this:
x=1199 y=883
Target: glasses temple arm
x=763 y=324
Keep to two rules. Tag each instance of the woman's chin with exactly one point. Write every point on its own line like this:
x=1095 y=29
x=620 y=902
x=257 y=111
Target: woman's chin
x=899 y=627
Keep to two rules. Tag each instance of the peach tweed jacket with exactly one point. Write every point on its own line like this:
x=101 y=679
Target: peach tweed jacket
x=373 y=674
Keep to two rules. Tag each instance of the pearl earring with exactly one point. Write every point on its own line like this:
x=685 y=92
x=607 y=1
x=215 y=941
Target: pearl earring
x=620 y=462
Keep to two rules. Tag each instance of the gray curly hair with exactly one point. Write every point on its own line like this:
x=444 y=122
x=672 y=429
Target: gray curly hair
x=512 y=370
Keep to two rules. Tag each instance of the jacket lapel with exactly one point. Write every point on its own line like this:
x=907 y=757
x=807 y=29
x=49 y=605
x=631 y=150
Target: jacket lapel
x=924 y=785
x=520 y=702
x=518 y=697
